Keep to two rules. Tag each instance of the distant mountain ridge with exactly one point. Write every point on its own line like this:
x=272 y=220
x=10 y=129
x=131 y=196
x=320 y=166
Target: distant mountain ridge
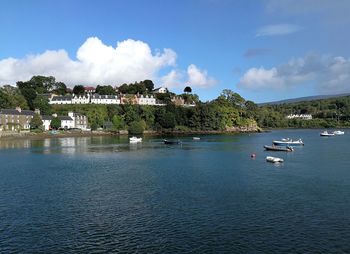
x=307 y=98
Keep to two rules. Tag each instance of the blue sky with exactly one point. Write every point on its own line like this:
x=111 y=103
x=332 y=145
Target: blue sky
x=265 y=50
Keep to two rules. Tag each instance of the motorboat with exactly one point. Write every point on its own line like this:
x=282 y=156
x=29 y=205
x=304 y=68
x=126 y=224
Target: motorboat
x=326 y=134
x=338 y=132
x=288 y=142
x=196 y=138
x=171 y=142
x=279 y=148
x=274 y=159
x=134 y=140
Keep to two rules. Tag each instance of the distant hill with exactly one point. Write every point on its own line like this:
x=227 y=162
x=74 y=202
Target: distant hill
x=308 y=98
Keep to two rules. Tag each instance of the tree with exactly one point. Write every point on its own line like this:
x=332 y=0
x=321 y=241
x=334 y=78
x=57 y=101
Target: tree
x=28 y=91
x=148 y=84
x=60 y=88
x=42 y=103
x=79 y=90
x=118 y=122
x=188 y=89
x=55 y=123
x=36 y=122
x=137 y=127
x=43 y=84
x=167 y=120
x=105 y=90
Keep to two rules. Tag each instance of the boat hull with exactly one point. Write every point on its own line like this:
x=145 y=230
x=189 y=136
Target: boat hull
x=278 y=148
x=287 y=143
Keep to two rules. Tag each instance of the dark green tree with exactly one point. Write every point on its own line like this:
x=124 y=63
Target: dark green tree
x=136 y=127
x=148 y=84
x=105 y=90
x=36 y=122
x=42 y=103
x=60 y=88
x=188 y=89
x=79 y=90
x=55 y=123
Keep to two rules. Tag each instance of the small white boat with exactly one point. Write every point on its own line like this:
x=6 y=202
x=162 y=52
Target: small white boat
x=288 y=142
x=134 y=140
x=338 y=132
x=326 y=134
x=196 y=138
x=273 y=159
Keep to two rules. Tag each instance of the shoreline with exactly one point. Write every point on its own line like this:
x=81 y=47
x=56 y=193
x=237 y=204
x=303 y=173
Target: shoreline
x=44 y=135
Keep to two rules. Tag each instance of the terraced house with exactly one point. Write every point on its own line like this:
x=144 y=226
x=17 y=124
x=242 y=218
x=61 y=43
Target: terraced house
x=16 y=119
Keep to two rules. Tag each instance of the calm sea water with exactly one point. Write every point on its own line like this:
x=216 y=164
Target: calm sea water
x=102 y=195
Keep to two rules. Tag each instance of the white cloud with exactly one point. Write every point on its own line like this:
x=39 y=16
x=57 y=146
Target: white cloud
x=279 y=29
x=328 y=74
x=97 y=63
x=199 y=78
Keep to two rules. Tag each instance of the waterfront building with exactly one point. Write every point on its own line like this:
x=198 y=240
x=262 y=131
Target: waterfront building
x=299 y=116
x=15 y=119
x=146 y=100
x=105 y=99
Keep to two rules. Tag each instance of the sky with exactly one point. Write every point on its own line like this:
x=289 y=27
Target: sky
x=265 y=50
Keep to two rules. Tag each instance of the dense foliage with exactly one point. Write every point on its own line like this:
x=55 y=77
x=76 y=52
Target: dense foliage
x=333 y=112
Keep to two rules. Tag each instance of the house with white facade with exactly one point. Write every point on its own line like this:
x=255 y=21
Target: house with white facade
x=160 y=90
x=105 y=99
x=299 y=116
x=146 y=100
x=81 y=99
x=80 y=120
x=61 y=100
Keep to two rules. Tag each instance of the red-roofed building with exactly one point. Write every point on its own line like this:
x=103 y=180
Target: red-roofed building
x=89 y=89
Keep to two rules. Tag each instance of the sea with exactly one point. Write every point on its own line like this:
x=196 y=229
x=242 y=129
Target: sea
x=104 y=195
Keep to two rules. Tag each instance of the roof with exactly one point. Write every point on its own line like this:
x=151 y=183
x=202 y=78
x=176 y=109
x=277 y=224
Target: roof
x=16 y=112
x=67 y=118
x=89 y=88
x=44 y=117
x=97 y=96
x=62 y=98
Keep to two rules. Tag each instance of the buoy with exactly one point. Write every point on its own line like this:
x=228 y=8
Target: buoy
x=252 y=155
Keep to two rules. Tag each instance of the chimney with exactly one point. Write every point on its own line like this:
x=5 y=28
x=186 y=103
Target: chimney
x=19 y=109
x=37 y=111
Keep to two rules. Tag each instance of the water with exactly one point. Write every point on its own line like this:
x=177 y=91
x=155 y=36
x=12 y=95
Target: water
x=102 y=195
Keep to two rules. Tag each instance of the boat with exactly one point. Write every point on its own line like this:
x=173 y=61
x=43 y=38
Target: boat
x=338 y=132
x=196 y=138
x=279 y=148
x=171 y=142
x=326 y=134
x=274 y=159
x=288 y=142
x=134 y=140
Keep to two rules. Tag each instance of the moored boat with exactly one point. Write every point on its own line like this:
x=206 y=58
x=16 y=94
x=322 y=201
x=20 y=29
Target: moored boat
x=279 y=148
x=171 y=142
x=326 y=134
x=196 y=138
x=338 y=132
x=274 y=159
x=288 y=142
x=134 y=140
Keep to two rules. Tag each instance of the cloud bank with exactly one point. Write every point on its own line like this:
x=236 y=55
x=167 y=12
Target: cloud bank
x=328 y=74
x=279 y=29
x=98 y=63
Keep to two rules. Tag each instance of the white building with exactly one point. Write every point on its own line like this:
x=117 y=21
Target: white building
x=61 y=100
x=104 y=99
x=80 y=121
x=299 y=116
x=146 y=100
x=160 y=90
x=81 y=99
